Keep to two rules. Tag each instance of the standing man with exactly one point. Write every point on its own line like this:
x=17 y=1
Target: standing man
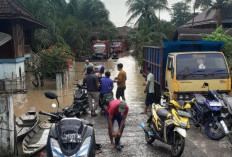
x=106 y=84
x=121 y=81
x=92 y=83
x=149 y=90
x=117 y=110
x=87 y=64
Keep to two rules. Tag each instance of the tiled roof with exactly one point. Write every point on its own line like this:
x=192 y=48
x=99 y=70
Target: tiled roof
x=10 y=10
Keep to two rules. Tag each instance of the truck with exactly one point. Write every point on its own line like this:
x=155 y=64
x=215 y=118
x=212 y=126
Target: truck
x=116 y=46
x=184 y=67
x=120 y=46
x=101 y=49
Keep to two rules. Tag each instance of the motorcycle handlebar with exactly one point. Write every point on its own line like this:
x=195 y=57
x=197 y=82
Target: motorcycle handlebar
x=48 y=114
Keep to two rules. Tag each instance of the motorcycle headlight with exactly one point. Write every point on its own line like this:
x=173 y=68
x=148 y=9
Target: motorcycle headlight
x=83 y=152
x=56 y=152
x=183 y=124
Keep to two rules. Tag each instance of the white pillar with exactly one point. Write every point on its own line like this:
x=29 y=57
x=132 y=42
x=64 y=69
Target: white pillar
x=58 y=81
x=7 y=127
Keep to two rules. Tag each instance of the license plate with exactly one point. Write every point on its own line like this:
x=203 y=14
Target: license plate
x=215 y=104
x=71 y=138
x=183 y=113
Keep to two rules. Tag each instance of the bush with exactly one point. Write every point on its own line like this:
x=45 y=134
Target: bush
x=221 y=35
x=55 y=59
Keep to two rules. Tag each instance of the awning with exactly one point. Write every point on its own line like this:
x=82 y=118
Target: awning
x=4 y=38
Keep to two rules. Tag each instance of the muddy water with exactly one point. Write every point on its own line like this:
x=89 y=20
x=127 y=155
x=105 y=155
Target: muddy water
x=35 y=96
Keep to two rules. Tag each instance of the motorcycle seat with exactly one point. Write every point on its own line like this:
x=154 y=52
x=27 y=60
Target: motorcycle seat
x=200 y=99
x=162 y=112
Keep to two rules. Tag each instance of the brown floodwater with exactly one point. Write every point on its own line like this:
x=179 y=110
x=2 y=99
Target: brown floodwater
x=35 y=96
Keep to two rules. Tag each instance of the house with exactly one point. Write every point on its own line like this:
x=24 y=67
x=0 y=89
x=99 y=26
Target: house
x=20 y=25
x=204 y=23
x=123 y=31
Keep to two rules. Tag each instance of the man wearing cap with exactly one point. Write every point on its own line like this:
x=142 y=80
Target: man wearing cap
x=117 y=110
x=87 y=64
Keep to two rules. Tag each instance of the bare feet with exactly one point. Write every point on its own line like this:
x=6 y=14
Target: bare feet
x=112 y=146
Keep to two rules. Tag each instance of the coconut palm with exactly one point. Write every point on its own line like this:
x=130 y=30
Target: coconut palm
x=145 y=9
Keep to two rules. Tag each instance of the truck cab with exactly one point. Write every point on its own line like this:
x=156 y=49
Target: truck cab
x=184 y=67
x=186 y=73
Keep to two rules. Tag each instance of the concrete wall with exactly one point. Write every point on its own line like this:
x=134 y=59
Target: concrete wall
x=6 y=69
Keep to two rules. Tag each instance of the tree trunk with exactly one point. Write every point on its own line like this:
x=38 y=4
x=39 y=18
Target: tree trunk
x=194 y=12
x=218 y=17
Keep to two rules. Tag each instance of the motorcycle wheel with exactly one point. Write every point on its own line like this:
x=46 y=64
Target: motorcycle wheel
x=213 y=129
x=230 y=137
x=148 y=138
x=178 y=148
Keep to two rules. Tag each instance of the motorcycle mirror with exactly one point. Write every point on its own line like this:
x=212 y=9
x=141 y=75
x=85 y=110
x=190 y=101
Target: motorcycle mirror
x=53 y=105
x=51 y=95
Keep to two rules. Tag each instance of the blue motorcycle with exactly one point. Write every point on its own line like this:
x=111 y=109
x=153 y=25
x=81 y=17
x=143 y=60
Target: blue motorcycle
x=206 y=111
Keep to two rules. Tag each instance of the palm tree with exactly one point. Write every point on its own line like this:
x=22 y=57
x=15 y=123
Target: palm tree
x=145 y=9
x=211 y=5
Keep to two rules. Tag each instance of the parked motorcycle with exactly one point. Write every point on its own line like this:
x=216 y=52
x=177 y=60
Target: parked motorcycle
x=206 y=111
x=69 y=136
x=80 y=102
x=168 y=126
x=227 y=100
x=105 y=100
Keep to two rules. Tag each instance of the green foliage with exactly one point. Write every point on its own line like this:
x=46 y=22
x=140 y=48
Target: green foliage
x=150 y=30
x=55 y=59
x=221 y=35
x=75 y=23
x=180 y=14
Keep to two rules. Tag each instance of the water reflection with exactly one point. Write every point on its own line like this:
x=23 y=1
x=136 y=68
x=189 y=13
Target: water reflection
x=35 y=96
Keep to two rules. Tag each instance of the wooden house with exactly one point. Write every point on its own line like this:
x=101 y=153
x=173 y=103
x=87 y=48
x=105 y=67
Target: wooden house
x=20 y=25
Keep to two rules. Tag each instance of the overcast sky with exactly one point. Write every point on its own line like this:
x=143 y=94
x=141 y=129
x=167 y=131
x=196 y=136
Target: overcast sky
x=118 y=11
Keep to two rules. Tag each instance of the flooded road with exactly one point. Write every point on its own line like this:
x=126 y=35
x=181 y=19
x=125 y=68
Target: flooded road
x=35 y=96
x=197 y=143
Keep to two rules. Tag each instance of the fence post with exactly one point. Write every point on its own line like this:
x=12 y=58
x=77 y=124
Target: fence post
x=7 y=129
x=58 y=81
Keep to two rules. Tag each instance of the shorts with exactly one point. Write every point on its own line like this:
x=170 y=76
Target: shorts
x=150 y=99
x=120 y=92
x=118 y=118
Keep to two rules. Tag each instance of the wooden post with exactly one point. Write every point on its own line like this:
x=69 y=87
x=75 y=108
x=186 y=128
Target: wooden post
x=58 y=81
x=7 y=129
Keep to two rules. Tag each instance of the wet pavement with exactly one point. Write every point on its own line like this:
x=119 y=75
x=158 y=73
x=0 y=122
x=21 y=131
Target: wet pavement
x=197 y=143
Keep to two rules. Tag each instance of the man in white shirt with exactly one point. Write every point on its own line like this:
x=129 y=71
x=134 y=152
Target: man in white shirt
x=87 y=64
x=149 y=90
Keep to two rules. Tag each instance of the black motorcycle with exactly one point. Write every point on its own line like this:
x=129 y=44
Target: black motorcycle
x=80 y=102
x=207 y=111
x=69 y=136
x=105 y=100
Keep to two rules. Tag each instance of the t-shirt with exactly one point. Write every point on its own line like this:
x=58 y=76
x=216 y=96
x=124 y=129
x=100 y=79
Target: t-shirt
x=112 y=108
x=122 y=79
x=106 y=85
x=90 y=80
x=150 y=77
x=89 y=65
x=99 y=68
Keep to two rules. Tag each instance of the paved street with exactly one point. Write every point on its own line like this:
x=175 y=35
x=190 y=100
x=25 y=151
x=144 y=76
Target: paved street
x=197 y=143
